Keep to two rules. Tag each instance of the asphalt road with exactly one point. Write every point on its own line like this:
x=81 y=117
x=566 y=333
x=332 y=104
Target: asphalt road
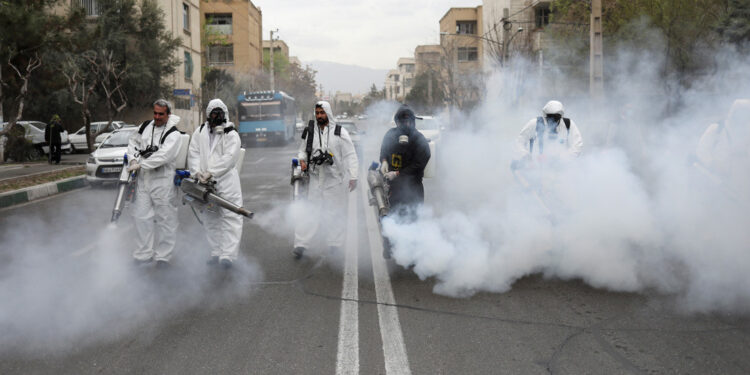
x=74 y=303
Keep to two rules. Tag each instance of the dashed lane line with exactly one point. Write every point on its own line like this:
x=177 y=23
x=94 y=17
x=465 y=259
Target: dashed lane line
x=394 y=349
x=347 y=358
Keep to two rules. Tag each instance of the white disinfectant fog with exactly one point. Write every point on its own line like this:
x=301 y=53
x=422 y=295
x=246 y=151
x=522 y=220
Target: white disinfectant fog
x=68 y=279
x=632 y=213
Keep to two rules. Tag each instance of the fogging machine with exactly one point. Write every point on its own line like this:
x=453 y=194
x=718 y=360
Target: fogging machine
x=378 y=192
x=203 y=195
x=126 y=189
x=299 y=181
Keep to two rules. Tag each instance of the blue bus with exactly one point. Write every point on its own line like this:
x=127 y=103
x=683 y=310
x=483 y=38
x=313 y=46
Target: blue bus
x=266 y=117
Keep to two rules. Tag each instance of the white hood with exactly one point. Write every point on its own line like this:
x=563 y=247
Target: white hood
x=217 y=103
x=326 y=107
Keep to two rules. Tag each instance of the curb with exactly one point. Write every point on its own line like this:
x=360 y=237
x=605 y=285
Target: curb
x=31 y=193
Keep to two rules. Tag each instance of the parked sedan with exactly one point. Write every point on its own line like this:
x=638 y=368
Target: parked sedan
x=35 y=133
x=78 y=139
x=430 y=127
x=105 y=164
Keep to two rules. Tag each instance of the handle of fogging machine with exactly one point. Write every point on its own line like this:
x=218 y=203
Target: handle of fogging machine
x=179 y=175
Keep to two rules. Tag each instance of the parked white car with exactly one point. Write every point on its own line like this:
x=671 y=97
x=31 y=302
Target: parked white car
x=430 y=127
x=106 y=162
x=78 y=139
x=35 y=133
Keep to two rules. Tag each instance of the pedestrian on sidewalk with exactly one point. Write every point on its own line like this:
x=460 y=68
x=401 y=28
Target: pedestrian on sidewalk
x=53 y=137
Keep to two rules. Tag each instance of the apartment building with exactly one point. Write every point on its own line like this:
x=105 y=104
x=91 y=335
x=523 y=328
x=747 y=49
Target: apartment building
x=406 y=70
x=182 y=19
x=427 y=57
x=393 y=85
x=514 y=27
x=461 y=38
x=234 y=31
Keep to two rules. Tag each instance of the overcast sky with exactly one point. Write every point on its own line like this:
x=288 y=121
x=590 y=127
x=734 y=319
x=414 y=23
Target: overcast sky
x=370 y=33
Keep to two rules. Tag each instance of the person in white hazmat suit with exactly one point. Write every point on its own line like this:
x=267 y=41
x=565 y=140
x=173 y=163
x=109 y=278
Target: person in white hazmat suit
x=723 y=152
x=548 y=135
x=153 y=150
x=331 y=162
x=212 y=155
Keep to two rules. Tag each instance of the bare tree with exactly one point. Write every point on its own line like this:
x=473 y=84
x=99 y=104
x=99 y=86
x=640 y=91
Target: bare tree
x=82 y=86
x=24 y=74
x=110 y=76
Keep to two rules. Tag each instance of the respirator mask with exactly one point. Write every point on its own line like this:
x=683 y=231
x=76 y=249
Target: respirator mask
x=216 y=121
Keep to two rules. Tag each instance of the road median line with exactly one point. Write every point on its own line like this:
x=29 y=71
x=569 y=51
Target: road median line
x=394 y=349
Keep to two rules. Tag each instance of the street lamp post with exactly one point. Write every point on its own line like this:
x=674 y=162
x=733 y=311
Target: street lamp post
x=270 y=54
x=506 y=48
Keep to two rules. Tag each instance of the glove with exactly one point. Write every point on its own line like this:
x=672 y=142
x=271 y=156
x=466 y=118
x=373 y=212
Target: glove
x=391 y=175
x=203 y=177
x=134 y=166
x=384 y=167
x=352 y=185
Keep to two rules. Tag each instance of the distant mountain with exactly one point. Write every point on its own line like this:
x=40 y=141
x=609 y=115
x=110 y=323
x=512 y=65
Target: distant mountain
x=347 y=78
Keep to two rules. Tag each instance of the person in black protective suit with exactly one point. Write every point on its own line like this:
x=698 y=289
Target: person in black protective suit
x=53 y=137
x=404 y=154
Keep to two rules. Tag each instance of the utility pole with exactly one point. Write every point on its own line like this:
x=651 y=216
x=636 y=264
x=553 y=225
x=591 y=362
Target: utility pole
x=596 y=70
x=429 y=87
x=506 y=14
x=270 y=54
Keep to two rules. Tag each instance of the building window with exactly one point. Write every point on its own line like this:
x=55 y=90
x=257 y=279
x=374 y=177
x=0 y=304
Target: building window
x=185 y=16
x=182 y=102
x=188 y=65
x=90 y=6
x=542 y=16
x=466 y=27
x=219 y=23
x=408 y=82
x=409 y=68
x=221 y=54
x=467 y=54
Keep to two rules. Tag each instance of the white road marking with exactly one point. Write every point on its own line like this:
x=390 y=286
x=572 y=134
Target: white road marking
x=394 y=350
x=258 y=161
x=347 y=358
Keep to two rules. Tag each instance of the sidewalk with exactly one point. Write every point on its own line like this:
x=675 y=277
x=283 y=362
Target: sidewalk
x=11 y=172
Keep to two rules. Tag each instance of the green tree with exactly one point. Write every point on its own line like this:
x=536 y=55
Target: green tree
x=27 y=32
x=423 y=98
x=734 y=25
x=119 y=59
x=300 y=83
x=686 y=26
x=373 y=96
x=218 y=84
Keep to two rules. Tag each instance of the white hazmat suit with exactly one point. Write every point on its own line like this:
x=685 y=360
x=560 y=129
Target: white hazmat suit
x=328 y=187
x=724 y=148
x=566 y=142
x=217 y=153
x=155 y=197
